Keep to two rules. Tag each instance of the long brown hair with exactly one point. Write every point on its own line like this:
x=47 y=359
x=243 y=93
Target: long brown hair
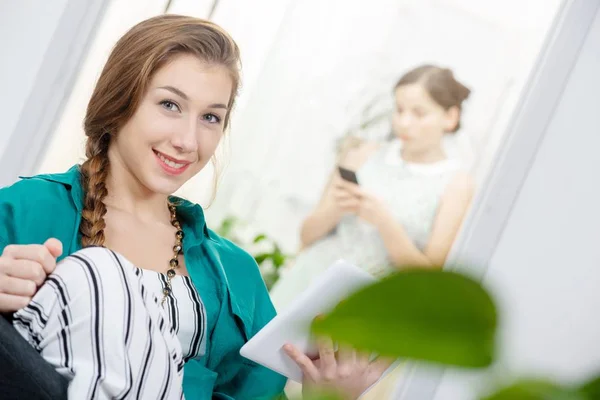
x=441 y=85
x=143 y=50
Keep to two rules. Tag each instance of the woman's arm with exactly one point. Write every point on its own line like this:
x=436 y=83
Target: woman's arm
x=328 y=213
x=323 y=219
x=400 y=247
x=453 y=206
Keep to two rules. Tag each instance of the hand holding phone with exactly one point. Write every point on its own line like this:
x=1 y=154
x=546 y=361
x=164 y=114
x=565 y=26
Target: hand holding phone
x=348 y=175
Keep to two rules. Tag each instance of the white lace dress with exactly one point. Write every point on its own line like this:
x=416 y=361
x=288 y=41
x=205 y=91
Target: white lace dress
x=413 y=193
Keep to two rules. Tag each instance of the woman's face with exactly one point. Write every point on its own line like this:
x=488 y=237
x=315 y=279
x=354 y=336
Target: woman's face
x=418 y=120
x=177 y=126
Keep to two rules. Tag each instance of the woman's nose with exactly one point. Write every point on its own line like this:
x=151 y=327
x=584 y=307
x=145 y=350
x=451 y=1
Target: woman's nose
x=405 y=120
x=185 y=139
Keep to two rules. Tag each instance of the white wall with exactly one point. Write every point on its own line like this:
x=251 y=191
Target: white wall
x=22 y=58
x=545 y=267
x=42 y=44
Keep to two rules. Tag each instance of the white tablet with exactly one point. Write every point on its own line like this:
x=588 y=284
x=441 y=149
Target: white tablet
x=293 y=324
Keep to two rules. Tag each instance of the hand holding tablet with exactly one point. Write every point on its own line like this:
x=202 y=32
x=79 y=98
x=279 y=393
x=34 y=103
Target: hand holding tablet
x=293 y=324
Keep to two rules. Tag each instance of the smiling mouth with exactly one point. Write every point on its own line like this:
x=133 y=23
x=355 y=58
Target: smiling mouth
x=169 y=165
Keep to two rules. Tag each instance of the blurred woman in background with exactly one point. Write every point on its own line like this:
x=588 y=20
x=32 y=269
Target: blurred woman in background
x=410 y=198
x=407 y=206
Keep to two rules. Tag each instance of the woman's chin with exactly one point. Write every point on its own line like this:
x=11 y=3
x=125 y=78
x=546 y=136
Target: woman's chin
x=164 y=186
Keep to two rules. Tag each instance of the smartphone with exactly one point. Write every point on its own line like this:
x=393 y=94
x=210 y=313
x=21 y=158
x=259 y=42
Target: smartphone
x=348 y=175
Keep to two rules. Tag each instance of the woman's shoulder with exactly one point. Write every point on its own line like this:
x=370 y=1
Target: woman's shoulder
x=247 y=289
x=40 y=190
x=461 y=184
x=462 y=179
x=37 y=207
x=241 y=270
x=235 y=259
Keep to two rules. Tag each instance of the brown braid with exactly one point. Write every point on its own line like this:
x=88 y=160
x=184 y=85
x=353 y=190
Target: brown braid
x=94 y=172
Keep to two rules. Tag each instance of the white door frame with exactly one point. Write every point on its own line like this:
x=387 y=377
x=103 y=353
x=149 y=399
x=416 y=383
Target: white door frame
x=476 y=243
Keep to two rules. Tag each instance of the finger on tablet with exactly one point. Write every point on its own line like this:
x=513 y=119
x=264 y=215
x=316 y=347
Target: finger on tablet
x=327 y=354
x=308 y=368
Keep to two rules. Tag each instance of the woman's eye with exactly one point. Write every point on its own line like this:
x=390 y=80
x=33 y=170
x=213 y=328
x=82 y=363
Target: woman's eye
x=212 y=118
x=169 y=105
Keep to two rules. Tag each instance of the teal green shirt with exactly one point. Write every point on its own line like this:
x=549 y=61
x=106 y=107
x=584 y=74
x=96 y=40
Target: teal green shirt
x=227 y=278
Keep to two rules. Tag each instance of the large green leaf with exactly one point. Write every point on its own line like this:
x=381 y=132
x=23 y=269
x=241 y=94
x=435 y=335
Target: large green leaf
x=430 y=315
x=592 y=388
x=536 y=390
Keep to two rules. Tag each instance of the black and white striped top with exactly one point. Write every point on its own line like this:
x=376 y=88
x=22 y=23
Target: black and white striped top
x=184 y=309
x=97 y=320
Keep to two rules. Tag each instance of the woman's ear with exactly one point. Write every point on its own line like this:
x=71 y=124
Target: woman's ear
x=452 y=119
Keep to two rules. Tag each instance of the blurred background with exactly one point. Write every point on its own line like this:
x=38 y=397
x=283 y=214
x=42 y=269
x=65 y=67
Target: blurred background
x=316 y=72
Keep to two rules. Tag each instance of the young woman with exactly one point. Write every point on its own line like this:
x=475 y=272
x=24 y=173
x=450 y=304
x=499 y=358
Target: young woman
x=408 y=205
x=149 y=303
x=410 y=200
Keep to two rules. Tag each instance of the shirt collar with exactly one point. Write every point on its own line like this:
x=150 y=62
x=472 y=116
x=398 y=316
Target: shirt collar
x=191 y=215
